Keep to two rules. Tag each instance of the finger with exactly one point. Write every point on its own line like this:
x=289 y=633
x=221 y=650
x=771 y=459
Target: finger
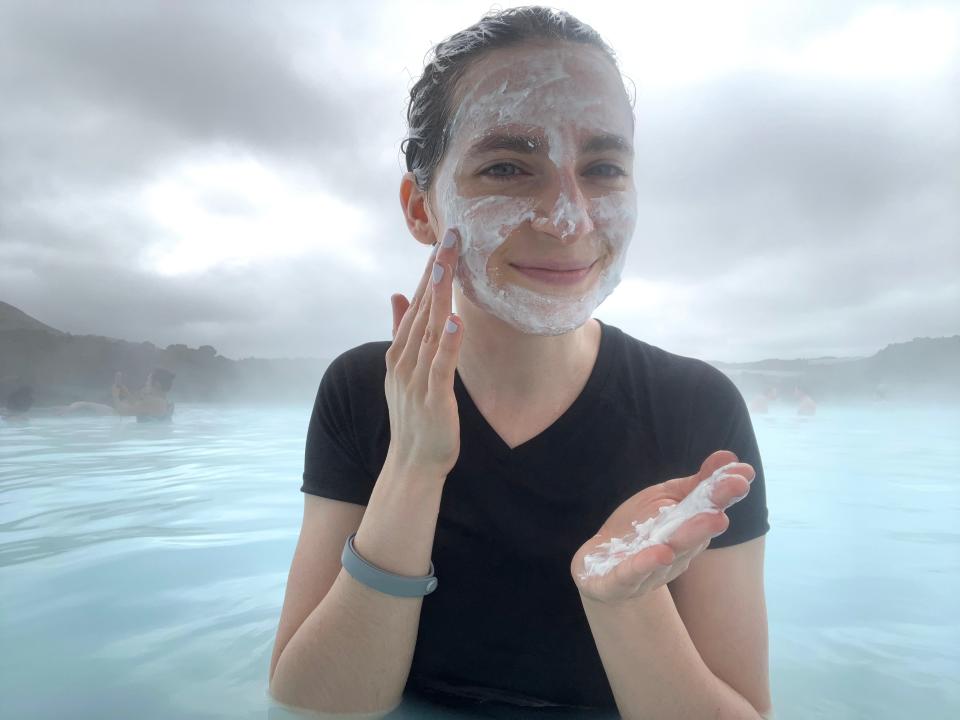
x=403 y=326
x=714 y=462
x=661 y=555
x=441 y=303
x=403 y=329
x=421 y=314
x=445 y=361
x=731 y=489
x=684 y=561
x=681 y=487
x=430 y=332
x=697 y=530
x=448 y=251
x=399 y=305
x=634 y=569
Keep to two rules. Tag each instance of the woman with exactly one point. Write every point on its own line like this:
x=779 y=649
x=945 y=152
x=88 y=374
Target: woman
x=512 y=445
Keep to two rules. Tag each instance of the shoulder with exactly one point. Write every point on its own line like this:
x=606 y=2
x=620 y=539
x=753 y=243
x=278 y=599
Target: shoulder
x=670 y=393
x=354 y=379
x=658 y=374
x=363 y=362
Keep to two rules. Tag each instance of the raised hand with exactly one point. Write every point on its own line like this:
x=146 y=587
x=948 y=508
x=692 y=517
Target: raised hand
x=424 y=422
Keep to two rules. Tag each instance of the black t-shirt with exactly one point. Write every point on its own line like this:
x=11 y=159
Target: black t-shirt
x=505 y=622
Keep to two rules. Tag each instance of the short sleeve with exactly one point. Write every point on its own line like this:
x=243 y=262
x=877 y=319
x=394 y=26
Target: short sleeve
x=333 y=466
x=719 y=420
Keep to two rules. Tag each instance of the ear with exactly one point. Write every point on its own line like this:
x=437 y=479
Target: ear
x=416 y=212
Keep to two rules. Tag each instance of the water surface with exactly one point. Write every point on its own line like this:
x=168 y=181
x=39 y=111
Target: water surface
x=143 y=566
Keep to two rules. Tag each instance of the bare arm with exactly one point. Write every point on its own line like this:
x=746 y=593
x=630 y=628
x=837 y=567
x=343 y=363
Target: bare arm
x=717 y=668
x=722 y=603
x=353 y=652
x=702 y=651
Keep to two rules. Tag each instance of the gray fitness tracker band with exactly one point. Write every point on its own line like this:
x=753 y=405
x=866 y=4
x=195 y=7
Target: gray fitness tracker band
x=385 y=582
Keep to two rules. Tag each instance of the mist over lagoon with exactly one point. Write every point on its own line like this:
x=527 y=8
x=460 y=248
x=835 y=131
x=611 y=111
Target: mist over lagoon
x=62 y=368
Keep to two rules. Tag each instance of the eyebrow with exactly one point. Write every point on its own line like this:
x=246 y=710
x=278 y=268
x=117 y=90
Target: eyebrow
x=606 y=141
x=492 y=142
x=531 y=144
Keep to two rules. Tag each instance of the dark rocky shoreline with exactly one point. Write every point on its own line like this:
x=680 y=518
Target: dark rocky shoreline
x=63 y=368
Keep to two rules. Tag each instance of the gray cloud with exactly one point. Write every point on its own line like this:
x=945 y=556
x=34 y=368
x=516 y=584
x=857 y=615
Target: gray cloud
x=197 y=71
x=817 y=218
x=808 y=215
x=109 y=95
x=757 y=158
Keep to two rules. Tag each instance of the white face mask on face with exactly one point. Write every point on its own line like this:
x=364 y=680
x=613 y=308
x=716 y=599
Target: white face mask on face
x=561 y=95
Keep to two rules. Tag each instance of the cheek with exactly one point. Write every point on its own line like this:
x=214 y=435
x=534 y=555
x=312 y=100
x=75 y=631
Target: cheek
x=615 y=217
x=486 y=223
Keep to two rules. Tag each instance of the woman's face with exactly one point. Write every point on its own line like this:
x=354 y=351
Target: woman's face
x=538 y=173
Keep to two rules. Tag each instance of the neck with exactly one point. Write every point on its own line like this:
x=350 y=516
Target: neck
x=508 y=365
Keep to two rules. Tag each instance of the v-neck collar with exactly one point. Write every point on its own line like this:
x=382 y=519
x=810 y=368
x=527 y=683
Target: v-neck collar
x=574 y=414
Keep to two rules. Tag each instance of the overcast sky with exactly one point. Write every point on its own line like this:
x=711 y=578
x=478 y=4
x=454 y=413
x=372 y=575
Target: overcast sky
x=226 y=173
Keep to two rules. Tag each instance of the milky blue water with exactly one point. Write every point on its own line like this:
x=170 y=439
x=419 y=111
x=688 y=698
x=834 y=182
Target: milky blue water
x=142 y=567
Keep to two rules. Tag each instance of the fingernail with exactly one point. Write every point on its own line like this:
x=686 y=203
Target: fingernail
x=437 y=272
x=450 y=327
x=449 y=238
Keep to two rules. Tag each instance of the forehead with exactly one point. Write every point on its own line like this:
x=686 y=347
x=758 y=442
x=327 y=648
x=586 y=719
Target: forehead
x=559 y=84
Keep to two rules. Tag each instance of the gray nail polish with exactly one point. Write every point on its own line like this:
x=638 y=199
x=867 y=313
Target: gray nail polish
x=449 y=239
x=437 y=272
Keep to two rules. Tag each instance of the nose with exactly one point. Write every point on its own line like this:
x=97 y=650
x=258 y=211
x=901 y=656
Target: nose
x=564 y=210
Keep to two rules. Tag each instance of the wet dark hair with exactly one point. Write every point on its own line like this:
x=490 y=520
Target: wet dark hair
x=431 y=98
x=20 y=400
x=163 y=378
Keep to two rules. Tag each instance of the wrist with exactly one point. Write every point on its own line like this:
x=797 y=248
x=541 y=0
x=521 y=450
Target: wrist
x=649 y=602
x=398 y=464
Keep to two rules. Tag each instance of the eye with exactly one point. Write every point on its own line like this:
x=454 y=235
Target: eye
x=608 y=170
x=502 y=170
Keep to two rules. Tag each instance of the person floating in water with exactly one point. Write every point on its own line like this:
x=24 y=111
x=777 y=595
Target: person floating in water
x=805 y=404
x=761 y=403
x=148 y=404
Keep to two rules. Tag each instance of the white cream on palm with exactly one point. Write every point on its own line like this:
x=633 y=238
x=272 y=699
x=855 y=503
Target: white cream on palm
x=658 y=529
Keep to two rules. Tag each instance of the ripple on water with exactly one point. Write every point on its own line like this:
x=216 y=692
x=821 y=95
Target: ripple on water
x=137 y=559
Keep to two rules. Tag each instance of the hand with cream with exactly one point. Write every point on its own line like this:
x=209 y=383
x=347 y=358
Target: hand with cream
x=421 y=361
x=652 y=537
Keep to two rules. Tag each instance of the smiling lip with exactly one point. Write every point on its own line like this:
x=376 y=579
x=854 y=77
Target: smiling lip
x=556 y=277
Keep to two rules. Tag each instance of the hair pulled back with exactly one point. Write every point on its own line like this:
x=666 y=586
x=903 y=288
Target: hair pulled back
x=431 y=97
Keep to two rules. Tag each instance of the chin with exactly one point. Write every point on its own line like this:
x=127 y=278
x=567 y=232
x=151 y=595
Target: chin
x=538 y=308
